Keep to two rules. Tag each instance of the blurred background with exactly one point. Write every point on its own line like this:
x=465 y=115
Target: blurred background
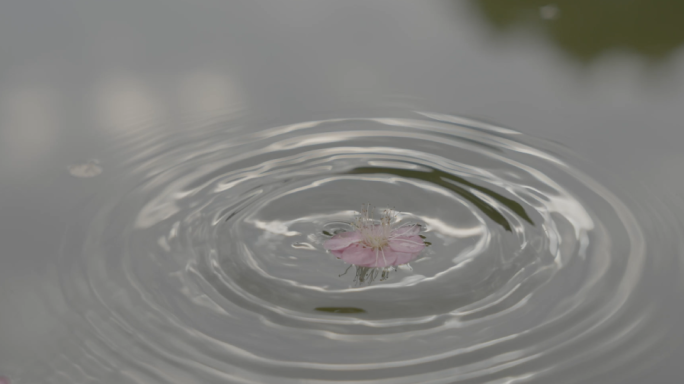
x=80 y=77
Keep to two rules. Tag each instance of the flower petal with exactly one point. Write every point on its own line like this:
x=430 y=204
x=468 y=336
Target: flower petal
x=407 y=230
x=405 y=257
x=386 y=257
x=410 y=244
x=342 y=240
x=359 y=255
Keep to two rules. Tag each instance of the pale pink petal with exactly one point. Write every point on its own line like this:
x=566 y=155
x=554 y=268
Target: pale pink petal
x=342 y=240
x=411 y=244
x=359 y=255
x=405 y=257
x=386 y=257
x=409 y=230
x=337 y=254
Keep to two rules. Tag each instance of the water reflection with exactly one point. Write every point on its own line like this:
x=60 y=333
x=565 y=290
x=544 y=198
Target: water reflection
x=450 y=182
x=586 y=29
x=340 y=310
x=205 y=258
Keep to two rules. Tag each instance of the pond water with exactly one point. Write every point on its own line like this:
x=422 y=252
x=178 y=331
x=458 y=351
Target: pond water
x=171 y=171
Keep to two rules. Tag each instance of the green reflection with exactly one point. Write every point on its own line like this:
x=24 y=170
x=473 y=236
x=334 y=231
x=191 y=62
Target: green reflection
x=340 y=310
x=587 y=28
x=451 y=183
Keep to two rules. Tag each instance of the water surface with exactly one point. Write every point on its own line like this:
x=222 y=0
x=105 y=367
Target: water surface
x=170 y=170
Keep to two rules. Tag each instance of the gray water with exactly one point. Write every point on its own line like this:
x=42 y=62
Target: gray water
x=171 y=169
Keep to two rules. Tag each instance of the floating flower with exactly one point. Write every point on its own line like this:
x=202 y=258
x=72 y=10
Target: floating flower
x=376 y=244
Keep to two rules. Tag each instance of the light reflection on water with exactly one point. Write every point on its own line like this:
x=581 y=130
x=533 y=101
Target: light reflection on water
x=179 y=262
x=187 y=266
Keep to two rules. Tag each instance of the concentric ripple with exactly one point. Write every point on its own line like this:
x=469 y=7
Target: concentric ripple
x=202 y=261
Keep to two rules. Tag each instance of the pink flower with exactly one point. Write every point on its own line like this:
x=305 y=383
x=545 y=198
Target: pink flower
x=376 y=245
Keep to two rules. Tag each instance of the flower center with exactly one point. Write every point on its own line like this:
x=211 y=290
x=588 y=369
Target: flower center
x=375 y=234
x=375 y=242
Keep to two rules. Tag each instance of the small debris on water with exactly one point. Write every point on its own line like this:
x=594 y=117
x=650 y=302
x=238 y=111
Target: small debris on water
x=91 y=168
